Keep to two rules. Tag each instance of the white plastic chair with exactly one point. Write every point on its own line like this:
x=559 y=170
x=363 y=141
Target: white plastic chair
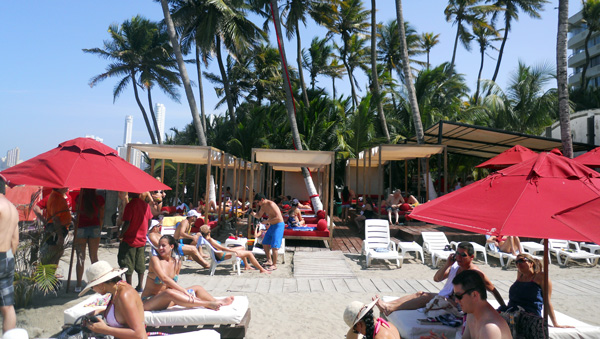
x=476 y=248
x=377 y=243
x=280 y=253
x=593 y=248
x=561 y=248
x=234 y=260
x=505 y=258
x=436 y=244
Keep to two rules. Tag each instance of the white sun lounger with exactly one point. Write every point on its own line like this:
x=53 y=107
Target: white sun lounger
x=593 y=248
x=230 y=321
x=436 y=243
x=561 y=248
x=280 y=253
x=377 y=243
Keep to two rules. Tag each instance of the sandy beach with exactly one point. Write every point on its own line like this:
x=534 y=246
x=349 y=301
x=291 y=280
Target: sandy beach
x=314 y=311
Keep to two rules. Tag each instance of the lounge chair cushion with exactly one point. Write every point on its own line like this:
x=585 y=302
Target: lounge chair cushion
x=174 y=316
x=317 y=233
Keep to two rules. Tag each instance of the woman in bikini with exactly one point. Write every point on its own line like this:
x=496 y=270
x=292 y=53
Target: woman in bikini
x=359 y=317
x=222 y=252
x=507 y=244
x=124 y=314
x=295 y=216
x=162 y=291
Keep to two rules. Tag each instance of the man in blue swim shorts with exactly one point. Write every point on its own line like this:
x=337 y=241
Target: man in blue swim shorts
x=272 y=239
x=9 y=228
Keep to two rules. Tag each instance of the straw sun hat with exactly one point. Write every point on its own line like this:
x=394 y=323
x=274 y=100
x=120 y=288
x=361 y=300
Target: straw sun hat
x=100 y=272
x=356 y=311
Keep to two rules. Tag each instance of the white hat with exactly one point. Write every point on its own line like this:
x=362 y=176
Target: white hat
x=295 y=202
x=100 y=272
x=193 y=213
x=356 y=311
x=153 y=224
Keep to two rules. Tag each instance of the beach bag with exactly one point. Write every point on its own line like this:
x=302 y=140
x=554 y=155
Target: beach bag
x=442 y=303
x=525 y=325
x=75 y=331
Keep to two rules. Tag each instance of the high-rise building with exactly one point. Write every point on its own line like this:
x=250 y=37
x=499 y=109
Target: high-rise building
x=12 y=157
x=128 y=129
x=577 y=36
x=159 y=109
x=98 y=139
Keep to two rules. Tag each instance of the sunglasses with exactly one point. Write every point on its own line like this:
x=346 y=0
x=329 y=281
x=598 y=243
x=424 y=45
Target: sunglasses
x=463 y=254
x=460 y=296
x=521 y=260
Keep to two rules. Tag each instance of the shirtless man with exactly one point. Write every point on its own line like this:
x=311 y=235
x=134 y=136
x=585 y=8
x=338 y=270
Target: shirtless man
x=457 y=262
x=393 y=204
x=274 y=234
x=9 y=241
x=183 y=229
x=483 y=321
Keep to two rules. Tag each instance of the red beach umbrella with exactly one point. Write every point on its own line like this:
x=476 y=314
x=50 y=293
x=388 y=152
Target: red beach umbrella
x=583 y=218
x=82 y=163
x=591 y=158
x=515 y=155
x=518 y=201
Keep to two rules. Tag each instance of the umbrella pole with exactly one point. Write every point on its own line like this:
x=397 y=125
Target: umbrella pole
x=546 y=279
x=79 y=199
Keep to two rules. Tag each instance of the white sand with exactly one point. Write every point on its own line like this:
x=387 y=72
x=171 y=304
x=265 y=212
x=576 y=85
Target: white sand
x=311 y=315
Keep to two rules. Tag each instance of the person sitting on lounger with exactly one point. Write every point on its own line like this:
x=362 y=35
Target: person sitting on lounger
x=508 y=244
x=182 y=232
x=457 y=262
x=359 y=317
x=226 y=252
x=124 y=315
x=183 y=250
x=202 y=204
x=527 y=291
x=393 y=205
x=162 y=291
x=295 y=216
x=367 y=212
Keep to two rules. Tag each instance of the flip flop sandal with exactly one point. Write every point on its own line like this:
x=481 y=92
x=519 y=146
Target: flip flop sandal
x=271 y=268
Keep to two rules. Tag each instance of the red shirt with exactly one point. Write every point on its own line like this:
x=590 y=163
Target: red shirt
x=138 y=213
x=94 y=220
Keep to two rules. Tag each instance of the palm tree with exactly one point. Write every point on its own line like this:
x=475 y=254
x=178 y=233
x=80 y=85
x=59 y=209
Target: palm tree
x=355 y=56
x=428 y=41
x=484 y=37
x=295 y=11
x=316 y=59
x=511 y=8
x=412 y=97
x=591 y=18
x=561 y=78
x=335 y=71
x=139 y=56
x=240 y=80
x=374 y=76
x=389 y=46
x=183 y=72
x=349 y=19
x=466 y=12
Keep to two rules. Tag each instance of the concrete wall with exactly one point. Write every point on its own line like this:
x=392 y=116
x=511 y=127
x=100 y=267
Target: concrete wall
x=579 y=127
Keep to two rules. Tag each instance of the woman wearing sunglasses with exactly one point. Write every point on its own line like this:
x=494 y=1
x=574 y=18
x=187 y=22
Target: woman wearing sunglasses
x=527 y=291
x=359 y=317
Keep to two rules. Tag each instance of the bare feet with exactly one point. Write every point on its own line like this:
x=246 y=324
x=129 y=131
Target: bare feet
x=262 y=270
x=213 y=305
x=248 y=267
x=382 y=305
x=226 y=301
x=268 y=263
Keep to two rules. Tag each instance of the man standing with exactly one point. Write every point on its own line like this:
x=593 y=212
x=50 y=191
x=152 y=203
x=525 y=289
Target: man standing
x=59 y=221
x=9 y=241
x=483 y=321
x=393 y=205
x=457 y=262
x=136 y=221
x=183 y=229
x=272 y=239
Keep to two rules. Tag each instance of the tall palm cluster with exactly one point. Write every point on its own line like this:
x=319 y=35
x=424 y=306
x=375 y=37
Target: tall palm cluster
x=251 y=80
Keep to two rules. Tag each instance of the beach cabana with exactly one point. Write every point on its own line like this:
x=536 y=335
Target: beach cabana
x=378 y=156
x=291 y=161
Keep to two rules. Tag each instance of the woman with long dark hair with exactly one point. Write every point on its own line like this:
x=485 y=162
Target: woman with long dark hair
x=359 y=317
x=91 y=220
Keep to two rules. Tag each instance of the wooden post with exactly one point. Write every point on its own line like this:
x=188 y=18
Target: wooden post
x=365 y=177
x=236 y=187
x=369 y=190
x=405 y=177
x=177 y=185
x=197 y=184
x=162 y=171
x=380 y=181
x=419 y=178
x=220 y=191
x=183 y=186
x=224 y=179
x=245 y=183
x=152 y=162
x=427 y=180
x=207 y=188
x=251 y=198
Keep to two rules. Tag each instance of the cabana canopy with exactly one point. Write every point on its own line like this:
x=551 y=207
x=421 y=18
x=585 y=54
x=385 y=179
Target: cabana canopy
x=485 y=142
x=405 y=152
x=183 y=154
x=294 y=158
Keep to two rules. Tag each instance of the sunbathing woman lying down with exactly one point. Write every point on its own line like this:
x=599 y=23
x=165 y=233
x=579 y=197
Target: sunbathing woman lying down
x=162 y=291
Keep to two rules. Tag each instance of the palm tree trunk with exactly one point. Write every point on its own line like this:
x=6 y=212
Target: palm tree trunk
x=153 y=115
x=410 y=86
x=353 y=90
x=455 y=44
x=183 y=72
x=583 y=83
x=561 y=70
x=225 y=80
x=375 y=76
x=333 y=85
x=501 y=51
x=289 y=104
x=200 y=88
x=427 y=60
x=137 y=99
x=300 y=70
x=476 y=96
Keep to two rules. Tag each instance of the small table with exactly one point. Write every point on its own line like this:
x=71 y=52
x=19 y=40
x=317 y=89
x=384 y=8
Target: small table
x=238 y=241
x=410 y=246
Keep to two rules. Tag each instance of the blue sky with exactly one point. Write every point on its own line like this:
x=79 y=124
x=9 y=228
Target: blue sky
x=46 y=98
